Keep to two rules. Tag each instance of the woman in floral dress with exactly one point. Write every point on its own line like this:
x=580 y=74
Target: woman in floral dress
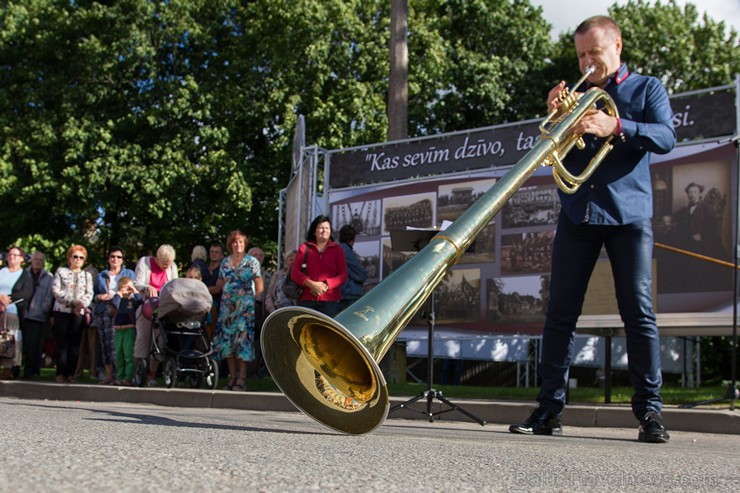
x=240 y=280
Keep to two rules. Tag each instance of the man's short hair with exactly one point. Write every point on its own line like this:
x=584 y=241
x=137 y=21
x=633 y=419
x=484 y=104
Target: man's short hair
x=347 y=233
x=599 y=21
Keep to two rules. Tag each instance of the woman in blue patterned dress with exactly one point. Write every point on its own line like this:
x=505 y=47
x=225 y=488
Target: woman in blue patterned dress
x=240 y=280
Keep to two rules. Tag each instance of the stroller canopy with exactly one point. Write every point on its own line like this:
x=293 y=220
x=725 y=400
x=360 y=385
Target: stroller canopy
x=182 y=299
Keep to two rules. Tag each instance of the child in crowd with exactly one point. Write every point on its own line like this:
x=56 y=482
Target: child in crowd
x=125 y=303
x=194 y=273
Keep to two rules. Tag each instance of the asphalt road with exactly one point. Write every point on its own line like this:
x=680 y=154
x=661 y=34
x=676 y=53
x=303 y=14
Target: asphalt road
x=112 y=447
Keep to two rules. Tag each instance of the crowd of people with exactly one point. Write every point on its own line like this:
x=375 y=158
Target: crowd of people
x=80 y=318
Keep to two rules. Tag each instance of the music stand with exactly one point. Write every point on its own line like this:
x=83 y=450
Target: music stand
x=413 y=240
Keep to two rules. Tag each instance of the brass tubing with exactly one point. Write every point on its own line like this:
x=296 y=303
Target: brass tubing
x=697 y=255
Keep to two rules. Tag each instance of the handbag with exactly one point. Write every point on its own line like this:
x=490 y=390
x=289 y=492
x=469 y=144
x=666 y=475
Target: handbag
x=7 y=345
x=290 y=288
x=7 y=341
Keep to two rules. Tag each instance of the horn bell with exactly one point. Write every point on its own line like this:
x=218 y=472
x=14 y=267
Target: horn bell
x=324 y=370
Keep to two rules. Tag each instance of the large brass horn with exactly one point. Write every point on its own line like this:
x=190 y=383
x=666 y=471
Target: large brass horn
x=328 y=368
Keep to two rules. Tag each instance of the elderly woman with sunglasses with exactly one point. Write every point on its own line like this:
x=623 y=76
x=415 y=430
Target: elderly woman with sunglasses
x=106 y=287
x=16 y=289
x=73 y=291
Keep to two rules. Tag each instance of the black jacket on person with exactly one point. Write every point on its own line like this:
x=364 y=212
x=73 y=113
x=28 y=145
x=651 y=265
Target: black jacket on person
x=22 y=290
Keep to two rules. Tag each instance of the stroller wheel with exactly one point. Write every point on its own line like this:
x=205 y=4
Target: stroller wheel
x=170 y=373
x=210 y=373
x=140 y=372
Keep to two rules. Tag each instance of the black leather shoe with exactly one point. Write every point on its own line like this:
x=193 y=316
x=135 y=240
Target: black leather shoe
x=652 y=429
x=540 y=422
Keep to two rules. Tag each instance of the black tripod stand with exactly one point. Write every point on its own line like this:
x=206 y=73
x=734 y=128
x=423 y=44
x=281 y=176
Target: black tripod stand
x=417 y=239
x=430 y=393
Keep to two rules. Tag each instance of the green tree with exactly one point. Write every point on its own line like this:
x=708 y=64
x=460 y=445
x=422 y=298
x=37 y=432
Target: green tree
x=145 y=122
x=322 y=59
x=687 y=52
x=475 y=63
x=106 y=135
x=672 y=42
x=141 y=122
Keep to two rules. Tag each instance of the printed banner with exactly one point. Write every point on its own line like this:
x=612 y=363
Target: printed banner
x=697 y=116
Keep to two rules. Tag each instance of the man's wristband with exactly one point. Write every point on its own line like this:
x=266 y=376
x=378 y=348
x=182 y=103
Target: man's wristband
x=619 y=130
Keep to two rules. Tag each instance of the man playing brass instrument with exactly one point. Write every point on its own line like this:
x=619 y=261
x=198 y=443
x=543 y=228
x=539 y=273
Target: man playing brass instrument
x=613 y=209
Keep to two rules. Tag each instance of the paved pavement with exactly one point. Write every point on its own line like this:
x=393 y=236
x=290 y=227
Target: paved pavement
x=703 y=420
x=81 y=446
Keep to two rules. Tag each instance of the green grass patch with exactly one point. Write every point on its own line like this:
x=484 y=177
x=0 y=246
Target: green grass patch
x=586 y=395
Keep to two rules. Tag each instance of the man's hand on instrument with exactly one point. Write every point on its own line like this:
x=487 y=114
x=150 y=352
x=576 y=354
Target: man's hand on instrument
x=598 y=123
x=552 y=97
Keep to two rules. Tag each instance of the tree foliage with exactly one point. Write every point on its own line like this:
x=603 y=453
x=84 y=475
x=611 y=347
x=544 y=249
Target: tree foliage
x=140 y=122
x=475 y=63
x=672 y=42
x=685 y=51
x=106 y=133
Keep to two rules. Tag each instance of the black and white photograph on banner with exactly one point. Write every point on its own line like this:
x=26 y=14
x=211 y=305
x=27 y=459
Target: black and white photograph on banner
x=416 y=211
x=692 y=226
x=457 y=297
x=454 y=198
x=393 y=259
x=517 y=301
x=368 y=253
x=662 y=181
x=483 y=248
x=526 y=253
x=363 y=216
x=532 y=206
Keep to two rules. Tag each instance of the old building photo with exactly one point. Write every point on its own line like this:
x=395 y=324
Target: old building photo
x=526 y=252
x=455 y=198
x=363 y=216
x=458 y=297
x=416 y=211
x=516 y=300
x=369 y=256
x=532 y=206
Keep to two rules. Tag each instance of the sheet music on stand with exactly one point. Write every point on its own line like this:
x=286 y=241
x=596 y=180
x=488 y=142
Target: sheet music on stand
x=414 y=239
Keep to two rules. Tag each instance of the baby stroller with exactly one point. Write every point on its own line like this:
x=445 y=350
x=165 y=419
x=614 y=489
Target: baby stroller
x=179 y=336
